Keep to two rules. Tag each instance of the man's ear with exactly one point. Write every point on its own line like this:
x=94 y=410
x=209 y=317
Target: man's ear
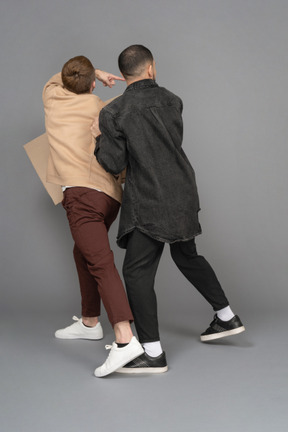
x=150 y=71
x=93 y=85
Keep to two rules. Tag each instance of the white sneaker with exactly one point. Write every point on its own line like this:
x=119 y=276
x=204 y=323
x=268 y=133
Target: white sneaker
x=119 y=357
x=79 y=331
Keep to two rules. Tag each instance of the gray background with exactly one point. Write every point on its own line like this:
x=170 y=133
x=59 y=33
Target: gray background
x=228 y=61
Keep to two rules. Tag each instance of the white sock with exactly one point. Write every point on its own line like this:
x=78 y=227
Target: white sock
x=225 y=314
x=153 y=349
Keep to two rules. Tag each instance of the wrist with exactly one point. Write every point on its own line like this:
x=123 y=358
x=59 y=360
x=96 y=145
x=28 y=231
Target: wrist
x=97 y=73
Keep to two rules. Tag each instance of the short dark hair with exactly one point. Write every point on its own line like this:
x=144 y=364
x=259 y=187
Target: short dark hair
x=78 y=74
x=132 y=60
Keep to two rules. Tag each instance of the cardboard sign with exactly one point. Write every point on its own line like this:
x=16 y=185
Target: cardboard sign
x=38 y=151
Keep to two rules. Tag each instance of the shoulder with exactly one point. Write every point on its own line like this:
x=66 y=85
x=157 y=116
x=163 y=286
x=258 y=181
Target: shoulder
x=114 y=107
x=170 y=96
x=95 y=100
x=88 y=104
x=114 y=103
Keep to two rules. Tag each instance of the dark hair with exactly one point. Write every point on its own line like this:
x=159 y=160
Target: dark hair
x=132 y=60
x=78 y=74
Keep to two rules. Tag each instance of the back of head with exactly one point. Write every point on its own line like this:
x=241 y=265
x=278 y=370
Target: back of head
x=132 y=60
x=78 y=74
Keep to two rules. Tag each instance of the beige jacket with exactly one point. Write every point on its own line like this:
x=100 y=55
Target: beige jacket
x=68 y=118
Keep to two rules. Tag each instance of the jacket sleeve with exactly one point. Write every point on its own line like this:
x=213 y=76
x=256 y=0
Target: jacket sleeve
x=55 y=81
x=111 y=148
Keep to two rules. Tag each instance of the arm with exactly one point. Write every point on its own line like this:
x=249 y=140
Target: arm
x=123 y=175
x=111 y=149
x=55 y=81
x=106 y=78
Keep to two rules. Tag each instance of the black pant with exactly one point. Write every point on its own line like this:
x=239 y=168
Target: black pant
x=140 y=265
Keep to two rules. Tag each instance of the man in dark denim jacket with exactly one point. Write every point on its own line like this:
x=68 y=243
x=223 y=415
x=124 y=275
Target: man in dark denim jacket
x=142 y=131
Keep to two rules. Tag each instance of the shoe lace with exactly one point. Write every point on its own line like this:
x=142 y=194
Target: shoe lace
x=108 y=347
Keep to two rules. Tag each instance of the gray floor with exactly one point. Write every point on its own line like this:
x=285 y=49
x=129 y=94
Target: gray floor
x=238 y=384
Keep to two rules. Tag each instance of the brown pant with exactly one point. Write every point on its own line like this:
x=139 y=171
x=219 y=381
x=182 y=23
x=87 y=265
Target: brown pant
x=90 y=214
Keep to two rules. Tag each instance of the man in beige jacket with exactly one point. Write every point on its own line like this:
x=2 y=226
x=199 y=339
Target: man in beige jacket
x=92 y=200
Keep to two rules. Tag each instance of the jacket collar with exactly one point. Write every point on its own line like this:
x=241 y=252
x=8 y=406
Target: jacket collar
x=141 y=84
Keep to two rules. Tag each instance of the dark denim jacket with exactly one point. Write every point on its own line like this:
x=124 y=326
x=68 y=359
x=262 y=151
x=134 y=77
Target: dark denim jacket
x=142 y=130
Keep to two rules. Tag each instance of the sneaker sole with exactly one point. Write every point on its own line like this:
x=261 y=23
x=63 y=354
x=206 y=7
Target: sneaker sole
x=78 y=337
x=223 y=334
x=156 y=370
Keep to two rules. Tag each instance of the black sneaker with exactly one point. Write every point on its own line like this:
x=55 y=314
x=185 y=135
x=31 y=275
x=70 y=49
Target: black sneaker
x=146 y=364
x=219 y=328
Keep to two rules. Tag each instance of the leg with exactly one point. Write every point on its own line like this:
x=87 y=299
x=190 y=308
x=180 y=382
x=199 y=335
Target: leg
x=139 y=270
x=199 y=272
x=88 y=326
x=90 y=214
x=90 y=298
